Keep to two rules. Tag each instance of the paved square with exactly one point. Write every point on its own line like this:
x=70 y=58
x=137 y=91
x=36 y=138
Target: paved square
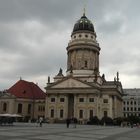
x=30 y=131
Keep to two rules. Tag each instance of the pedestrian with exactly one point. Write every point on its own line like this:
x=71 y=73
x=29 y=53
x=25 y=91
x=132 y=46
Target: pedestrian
x=37 y=122
x=75 y=122
x=40 y=121
x=68 y=122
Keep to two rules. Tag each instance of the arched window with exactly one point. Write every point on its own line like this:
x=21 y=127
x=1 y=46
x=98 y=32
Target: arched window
x=4 y=106
x=19 y=108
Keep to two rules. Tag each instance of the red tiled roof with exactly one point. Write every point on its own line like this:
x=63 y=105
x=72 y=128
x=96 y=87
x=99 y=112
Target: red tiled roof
x=28 y=90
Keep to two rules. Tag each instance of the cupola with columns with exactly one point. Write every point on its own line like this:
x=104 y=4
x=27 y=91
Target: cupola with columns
x=83 y=50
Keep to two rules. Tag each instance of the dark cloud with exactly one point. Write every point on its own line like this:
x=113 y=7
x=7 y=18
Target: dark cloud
x=48 y=10
x=34 y=35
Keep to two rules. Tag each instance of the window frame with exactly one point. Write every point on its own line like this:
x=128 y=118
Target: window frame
x=52 y=99
x=81 y=99
x=62 y=101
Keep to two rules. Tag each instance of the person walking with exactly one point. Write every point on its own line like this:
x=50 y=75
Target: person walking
x=40 y=121
x=75 y=122
x=68 y=122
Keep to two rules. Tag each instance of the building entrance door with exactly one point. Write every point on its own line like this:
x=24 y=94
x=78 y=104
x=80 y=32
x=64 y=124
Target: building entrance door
x=70 y=105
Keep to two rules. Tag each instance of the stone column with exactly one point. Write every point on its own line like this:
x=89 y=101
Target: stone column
x=75 y=105
x=115 y=107
x=47 y=107
x=111 y=107
x=86 y=108
x=56 y=106
x=98 y=106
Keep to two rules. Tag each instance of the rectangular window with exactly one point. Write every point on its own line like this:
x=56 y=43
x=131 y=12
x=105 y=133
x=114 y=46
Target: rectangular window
x=29 y=108
x=135 y=109
x=91 y=113
x=52 y=99
x=80 y=114
x=19 y=108
x=124 y=108
x=105 y=113
x=91 y=99
x=38 y=108
x=4 y=107
x=52 y=113
x=62 y=99
x=81 y=99
x=127 y=108
x=105 y=101
x=124 y=115
x=43 y=108
x=61 y=113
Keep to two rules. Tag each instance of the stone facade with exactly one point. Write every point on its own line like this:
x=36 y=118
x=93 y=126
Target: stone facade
x=83 y=93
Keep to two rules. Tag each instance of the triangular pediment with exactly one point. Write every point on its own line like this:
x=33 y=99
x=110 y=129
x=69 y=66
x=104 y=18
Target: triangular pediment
x=71 y=83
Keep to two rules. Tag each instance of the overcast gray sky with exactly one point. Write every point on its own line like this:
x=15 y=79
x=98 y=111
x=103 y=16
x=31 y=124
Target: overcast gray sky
x=34 y=35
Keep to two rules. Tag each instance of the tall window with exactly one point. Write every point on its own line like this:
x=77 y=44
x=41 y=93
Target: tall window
x=81 y=114
x=4 y=106
x=29 y=108
x=91 y=113
x=105 y=113
x=124 y=115
x=43 y=108
x=85 y=63
x=52 y=113
x=61 y=113
x=19 y=108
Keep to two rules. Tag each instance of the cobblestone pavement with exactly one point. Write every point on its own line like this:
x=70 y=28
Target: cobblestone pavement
x=29 y=131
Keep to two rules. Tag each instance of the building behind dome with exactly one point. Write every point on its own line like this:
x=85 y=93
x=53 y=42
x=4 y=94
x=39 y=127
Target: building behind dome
x=131 y=102
x=83 y=92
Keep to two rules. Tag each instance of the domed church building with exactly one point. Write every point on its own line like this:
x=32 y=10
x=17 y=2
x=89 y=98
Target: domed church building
x=83 y=92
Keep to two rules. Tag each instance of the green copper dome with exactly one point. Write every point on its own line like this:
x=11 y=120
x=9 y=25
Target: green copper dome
x=83 y=24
